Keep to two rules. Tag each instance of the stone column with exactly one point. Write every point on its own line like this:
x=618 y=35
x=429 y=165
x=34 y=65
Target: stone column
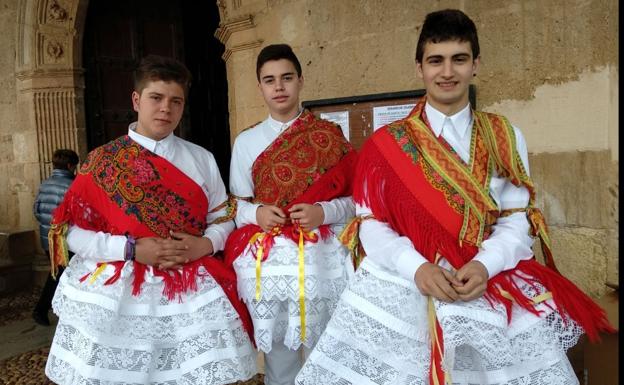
x=237 y=31
x=50 y=103
x=50 y=82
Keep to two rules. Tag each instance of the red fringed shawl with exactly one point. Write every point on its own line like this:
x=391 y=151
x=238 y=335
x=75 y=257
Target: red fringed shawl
x=124 y=189
x=310 y=162
x=415 y=182
x=409 y=179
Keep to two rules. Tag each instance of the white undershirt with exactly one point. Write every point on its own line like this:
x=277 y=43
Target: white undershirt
x=194 y=161
x=509 y=242
x=248 y=145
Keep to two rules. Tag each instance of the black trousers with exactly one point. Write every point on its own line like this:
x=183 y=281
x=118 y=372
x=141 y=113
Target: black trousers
x=47 y=293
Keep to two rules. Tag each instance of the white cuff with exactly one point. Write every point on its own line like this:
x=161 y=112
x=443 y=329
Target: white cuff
x=408 y=262
x=492 y=261
x=117 y=246
x=96 y=245
x=246 y=213
x=216 y=239
x=328 y=218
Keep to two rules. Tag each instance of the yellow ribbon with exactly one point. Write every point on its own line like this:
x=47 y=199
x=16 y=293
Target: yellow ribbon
x=537 y=299
x=259 y=253
x=258 y=239
x=97 y=272
x=302 y=287
x=433 y=332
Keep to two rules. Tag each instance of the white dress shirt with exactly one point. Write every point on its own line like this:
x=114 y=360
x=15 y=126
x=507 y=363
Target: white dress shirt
x=248 y=145
x=509 y=242
x=194 y=161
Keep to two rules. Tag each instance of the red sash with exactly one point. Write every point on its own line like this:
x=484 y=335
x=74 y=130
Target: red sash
x=310 y=162
x=443 y=206
x=124 y=189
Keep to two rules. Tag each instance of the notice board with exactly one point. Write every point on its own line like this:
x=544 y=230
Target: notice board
x=360 y=116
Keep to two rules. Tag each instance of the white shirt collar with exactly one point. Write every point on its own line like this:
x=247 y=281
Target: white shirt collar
x=461 y=120
x=149 y=143
x=280 y=126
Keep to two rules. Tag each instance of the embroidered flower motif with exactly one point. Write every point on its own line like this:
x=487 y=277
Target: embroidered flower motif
x=170 y=199
x=403 y=140
x=458 y=199
x=297 y=159
x=126 y=172
x=143 y=171
x=437 y=181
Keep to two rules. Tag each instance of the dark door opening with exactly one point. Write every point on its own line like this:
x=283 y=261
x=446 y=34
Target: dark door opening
x=118 y=33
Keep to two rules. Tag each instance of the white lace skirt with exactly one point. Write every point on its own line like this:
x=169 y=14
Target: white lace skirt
x=107 y=336
x=276 y=316
x=379 y=335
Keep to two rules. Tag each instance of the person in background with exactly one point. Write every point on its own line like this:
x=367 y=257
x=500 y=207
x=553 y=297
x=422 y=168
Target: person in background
x=50 y=194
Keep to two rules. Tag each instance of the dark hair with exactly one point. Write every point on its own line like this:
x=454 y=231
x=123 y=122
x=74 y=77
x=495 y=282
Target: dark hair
x=64 y=157
x=154 y=68
x=277 y=52
x=446 y=25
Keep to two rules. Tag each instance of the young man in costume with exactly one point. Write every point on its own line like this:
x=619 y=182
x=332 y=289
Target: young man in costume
x=50 y=194
x=143 y=300
x=449 y=291
x=291 y=178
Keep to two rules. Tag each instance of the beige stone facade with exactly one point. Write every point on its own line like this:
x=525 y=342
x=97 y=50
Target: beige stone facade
x=550 y=66
x=41 y=92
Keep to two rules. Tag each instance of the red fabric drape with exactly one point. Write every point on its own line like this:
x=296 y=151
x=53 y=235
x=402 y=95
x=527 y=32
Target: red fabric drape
x=124 y=189
x=393 y=184
x=308 y=163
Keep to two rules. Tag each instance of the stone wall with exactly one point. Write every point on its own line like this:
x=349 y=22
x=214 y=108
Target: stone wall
x=550 y=66
x=41 y=101
x=16 y=180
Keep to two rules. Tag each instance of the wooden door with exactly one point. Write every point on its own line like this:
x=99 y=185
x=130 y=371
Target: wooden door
x=118 y=33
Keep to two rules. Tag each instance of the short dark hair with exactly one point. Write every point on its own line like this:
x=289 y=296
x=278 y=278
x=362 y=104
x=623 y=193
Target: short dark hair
x=64 y=157
x=447 y=25
x=277 y=52
x=155 y=67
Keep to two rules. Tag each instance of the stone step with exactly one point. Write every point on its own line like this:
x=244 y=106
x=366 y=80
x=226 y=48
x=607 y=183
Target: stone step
x=18 y=248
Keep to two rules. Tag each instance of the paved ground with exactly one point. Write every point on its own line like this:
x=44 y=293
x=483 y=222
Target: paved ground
x=24 y=345
x=18 y=332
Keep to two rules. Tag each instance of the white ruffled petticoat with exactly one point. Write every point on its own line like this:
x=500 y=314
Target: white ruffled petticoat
x=276 y=316
x=379 y=334
x=107 y=336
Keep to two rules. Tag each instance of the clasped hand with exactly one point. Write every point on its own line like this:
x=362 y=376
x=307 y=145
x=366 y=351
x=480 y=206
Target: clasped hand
x=466 y=284
x=173 y=252
x=308 y=216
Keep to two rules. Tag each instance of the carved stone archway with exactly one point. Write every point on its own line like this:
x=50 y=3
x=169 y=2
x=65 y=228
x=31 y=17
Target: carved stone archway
x=50 y=81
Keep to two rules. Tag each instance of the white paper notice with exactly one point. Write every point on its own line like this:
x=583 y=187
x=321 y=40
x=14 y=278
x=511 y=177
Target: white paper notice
x=388 y=114
x=341 y=118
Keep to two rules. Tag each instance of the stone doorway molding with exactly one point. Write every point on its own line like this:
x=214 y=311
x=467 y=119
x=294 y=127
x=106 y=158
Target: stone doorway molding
x=50 y=77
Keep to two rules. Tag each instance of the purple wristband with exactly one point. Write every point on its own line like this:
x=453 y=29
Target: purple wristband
x=130 y=248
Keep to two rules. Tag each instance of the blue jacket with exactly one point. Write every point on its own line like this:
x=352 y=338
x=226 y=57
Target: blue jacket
x=50 y=195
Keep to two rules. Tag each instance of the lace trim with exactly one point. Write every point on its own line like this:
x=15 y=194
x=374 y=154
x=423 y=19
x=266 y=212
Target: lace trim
x=105 y=332
x=327 y=270
x=107 y=366
x=362 y=346
x=279 y=321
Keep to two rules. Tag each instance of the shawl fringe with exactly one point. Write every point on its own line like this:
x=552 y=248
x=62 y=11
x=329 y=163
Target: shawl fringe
x=375 y=179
